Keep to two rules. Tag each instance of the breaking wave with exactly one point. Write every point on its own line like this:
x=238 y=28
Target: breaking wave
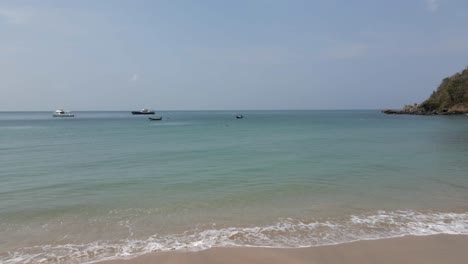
x=286 y=233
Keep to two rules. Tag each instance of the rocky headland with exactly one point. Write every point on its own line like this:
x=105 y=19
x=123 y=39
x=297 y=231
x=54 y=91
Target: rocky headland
x=450 y=98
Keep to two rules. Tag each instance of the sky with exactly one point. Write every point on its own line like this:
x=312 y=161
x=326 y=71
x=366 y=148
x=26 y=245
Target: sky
x=207 y=54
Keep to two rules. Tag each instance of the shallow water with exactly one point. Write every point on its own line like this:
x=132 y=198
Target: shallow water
x=108 y=183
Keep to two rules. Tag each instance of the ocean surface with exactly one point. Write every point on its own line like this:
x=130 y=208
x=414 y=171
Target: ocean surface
x=108 y=185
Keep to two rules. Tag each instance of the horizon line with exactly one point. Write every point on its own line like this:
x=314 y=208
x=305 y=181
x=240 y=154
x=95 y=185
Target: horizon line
x=194 y=110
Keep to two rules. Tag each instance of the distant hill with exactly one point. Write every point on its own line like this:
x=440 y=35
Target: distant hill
x=450 y=98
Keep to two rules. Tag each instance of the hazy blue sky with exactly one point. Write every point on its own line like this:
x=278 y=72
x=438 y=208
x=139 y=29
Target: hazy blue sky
x=330 y=54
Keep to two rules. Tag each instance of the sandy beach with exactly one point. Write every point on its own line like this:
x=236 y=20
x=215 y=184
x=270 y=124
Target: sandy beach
x=423 y=249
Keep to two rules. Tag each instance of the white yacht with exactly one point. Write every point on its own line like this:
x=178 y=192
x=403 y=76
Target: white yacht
x=61 y=113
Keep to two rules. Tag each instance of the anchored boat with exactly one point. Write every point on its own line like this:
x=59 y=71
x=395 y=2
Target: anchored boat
x=144 y=111
x=62 y=113
x=159 y=118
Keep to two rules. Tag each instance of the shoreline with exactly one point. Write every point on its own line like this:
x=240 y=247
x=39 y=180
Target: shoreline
x=408 y=249
x=423 y=113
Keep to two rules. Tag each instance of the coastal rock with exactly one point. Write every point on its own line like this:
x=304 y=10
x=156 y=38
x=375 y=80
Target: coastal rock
x=450 y=98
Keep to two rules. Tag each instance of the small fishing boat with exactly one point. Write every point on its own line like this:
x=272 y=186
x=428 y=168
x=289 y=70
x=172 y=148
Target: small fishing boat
x=239 y=116
x=62 y=113
x=159 y=118
x=144 y=111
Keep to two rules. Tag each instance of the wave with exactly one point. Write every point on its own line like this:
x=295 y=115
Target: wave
x=286 y=233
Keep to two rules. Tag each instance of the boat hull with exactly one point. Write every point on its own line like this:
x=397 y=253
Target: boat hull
x=63 y=115
x=155 y=118
x=142 y=113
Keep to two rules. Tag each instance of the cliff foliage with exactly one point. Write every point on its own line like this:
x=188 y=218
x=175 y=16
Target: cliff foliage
x=450 y=98
x=452 y=95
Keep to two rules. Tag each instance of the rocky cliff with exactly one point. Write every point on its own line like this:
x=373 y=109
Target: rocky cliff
x=450 y=98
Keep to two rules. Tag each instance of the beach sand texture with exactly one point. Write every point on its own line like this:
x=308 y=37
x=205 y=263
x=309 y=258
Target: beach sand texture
x=440 y=249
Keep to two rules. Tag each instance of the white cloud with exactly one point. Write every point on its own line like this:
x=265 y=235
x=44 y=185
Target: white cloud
x=432 y=5
x=135 y=77
x=14 y=16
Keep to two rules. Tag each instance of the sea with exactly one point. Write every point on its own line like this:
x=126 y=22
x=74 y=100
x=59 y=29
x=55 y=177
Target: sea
x=107 y=185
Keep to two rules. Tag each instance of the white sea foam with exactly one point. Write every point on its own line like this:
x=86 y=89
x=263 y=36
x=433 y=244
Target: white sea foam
x=287 y=233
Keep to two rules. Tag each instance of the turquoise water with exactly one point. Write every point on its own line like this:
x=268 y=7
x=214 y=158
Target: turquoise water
x=109 y=184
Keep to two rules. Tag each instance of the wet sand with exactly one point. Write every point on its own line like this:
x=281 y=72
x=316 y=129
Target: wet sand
x=444 y=249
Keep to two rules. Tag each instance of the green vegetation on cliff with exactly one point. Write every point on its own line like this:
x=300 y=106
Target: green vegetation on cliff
x=452 y=95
